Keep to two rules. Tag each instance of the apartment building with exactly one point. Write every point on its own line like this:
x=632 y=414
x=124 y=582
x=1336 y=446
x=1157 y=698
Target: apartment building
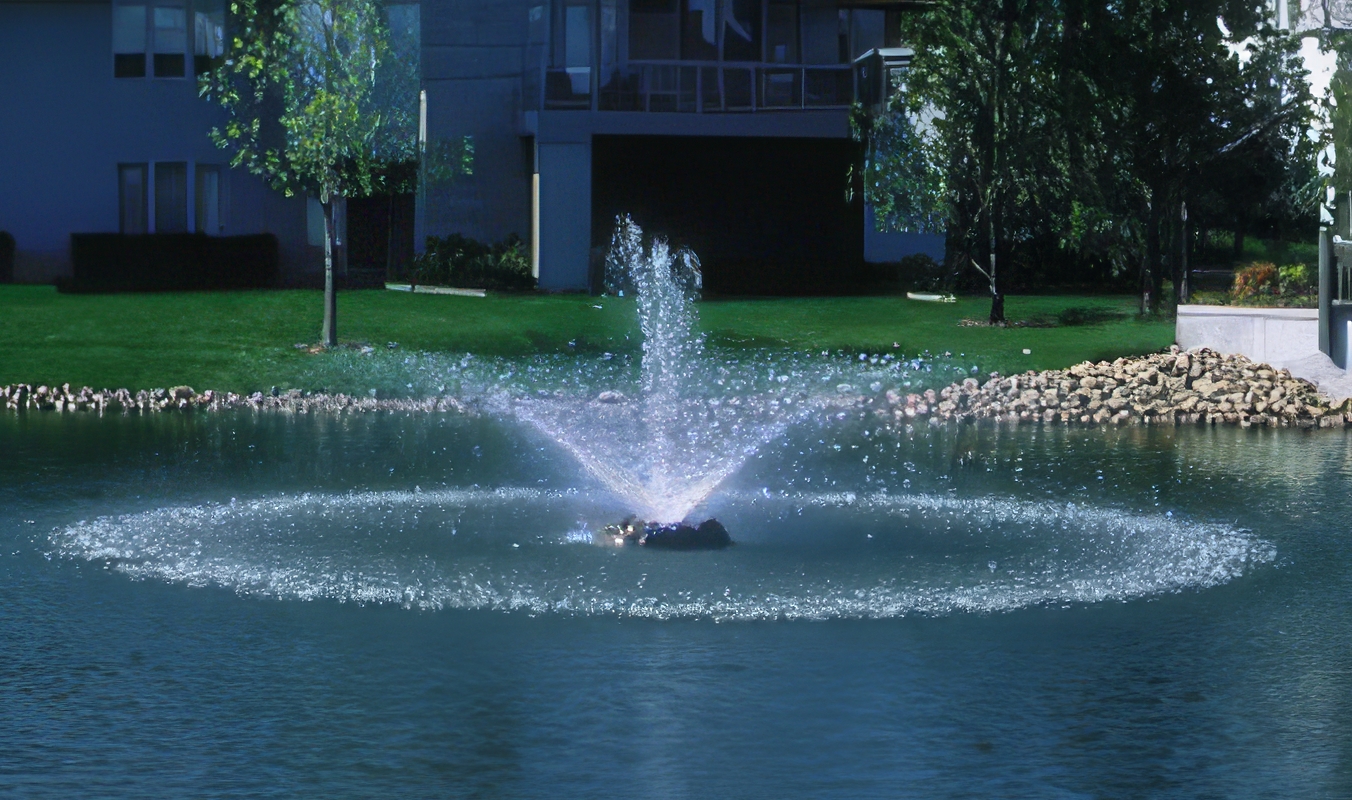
x=722 y=124
x=102 y=131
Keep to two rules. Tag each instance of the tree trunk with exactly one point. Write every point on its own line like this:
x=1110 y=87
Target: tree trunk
x=1239 y=241
x=997 y=297
x=330 y=331
x=389 y=234
x=1150 y=267
x=1181 y=290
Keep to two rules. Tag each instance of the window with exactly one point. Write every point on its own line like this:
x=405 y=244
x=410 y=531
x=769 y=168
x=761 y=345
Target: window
x=866 y=31
x=131 y=195
x=129 y=41
x=171 y=41
x=820 y=38
x=171 y=197
x=209 y=35
x=578 y=47
x=781 y=32
x=610 y=22
x=654 y=30
x=208 y=218
x=699 y=30
x=741 y=22
x=156 y=36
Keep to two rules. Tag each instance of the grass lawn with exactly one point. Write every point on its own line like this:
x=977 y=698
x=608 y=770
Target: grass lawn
x=244 y=341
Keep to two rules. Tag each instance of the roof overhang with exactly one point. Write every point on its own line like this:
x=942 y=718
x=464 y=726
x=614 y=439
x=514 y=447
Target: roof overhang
x=890 y=5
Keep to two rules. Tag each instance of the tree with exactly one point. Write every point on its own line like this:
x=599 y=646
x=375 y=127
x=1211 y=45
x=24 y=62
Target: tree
x=979 y=80
x=1210 y=89
x=306 y=108
x=1086 y=129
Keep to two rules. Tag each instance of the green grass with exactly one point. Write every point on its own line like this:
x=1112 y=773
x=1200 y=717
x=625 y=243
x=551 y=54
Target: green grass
x=244 y=341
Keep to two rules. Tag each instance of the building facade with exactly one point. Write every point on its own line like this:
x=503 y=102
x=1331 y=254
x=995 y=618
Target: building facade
x=102 y=131
x=721 y=124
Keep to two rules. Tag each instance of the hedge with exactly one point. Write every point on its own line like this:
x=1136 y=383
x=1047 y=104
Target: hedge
x=162 y=262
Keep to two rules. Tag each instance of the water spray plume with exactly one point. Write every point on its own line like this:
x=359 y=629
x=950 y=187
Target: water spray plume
x=665 y=451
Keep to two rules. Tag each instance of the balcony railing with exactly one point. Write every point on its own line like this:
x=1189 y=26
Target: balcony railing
x=690 y=87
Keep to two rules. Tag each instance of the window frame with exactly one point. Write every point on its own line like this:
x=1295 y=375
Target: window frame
x=188 y=53
x=162 y=210
x=144 y=167
x=199 y=170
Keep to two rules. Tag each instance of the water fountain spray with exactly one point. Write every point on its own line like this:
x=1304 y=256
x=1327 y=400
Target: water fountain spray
x=666 y=450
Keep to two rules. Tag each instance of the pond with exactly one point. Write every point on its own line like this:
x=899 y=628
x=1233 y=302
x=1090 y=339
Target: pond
x=266 y=604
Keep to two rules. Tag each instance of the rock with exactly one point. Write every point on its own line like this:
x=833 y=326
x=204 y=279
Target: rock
x=1152 y=389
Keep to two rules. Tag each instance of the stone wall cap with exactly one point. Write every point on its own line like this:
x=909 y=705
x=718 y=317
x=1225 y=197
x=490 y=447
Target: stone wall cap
x=1247 y=311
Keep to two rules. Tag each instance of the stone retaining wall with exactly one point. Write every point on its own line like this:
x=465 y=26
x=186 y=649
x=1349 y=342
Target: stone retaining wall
x=1266 y=335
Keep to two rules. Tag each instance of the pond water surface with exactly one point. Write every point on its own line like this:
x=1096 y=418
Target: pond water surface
x=276 y=606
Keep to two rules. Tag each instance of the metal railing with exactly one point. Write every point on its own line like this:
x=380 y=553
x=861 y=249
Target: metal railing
x=692 y=87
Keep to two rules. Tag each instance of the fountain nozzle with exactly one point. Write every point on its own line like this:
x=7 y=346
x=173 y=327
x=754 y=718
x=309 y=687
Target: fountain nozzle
x=708 y=535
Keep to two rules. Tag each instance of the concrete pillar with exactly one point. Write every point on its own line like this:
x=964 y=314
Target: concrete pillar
x=562 y=209
x=1326 y=290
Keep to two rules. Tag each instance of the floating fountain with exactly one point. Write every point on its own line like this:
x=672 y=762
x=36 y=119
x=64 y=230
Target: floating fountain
x=838 y=512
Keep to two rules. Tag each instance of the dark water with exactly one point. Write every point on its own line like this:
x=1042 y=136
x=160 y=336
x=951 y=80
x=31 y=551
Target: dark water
x=410 y=607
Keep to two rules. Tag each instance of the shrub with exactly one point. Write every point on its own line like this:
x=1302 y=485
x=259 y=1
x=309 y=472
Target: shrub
x=923 y=272
x=6 y=257
x=467 y=263
x=1256 y=280
x=1296 y=279
x=163 y=262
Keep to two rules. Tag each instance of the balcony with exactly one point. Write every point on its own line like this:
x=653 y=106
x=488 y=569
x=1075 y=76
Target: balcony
x=745 y=57
x=692 y=87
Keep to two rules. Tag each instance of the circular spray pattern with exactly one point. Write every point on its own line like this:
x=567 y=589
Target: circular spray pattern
x=799 y=555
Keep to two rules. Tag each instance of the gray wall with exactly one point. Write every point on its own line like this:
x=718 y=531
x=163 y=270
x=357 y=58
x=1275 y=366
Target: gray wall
x=471 y=62
x=1266 y=335
x=883 y=247
x=66 y=123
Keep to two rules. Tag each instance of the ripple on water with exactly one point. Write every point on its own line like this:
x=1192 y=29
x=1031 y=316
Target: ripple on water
x=800 y=555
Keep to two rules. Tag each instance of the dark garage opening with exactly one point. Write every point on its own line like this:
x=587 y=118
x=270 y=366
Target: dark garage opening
x=379 y=237
x=764 y=215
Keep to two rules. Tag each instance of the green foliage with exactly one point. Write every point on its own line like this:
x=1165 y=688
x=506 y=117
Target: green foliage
x=1257 y=280
x=977 y=97
x=1338 y=108
x=901 y=180
x=924 y=273
x=466 y=263
x=1084 y=128
x=306 y=109
x=444 y=160
x=1296 y=278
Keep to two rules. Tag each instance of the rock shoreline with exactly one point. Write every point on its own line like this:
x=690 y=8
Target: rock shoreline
x=1193 y=387
x=63 y=398
x=1179 y=387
